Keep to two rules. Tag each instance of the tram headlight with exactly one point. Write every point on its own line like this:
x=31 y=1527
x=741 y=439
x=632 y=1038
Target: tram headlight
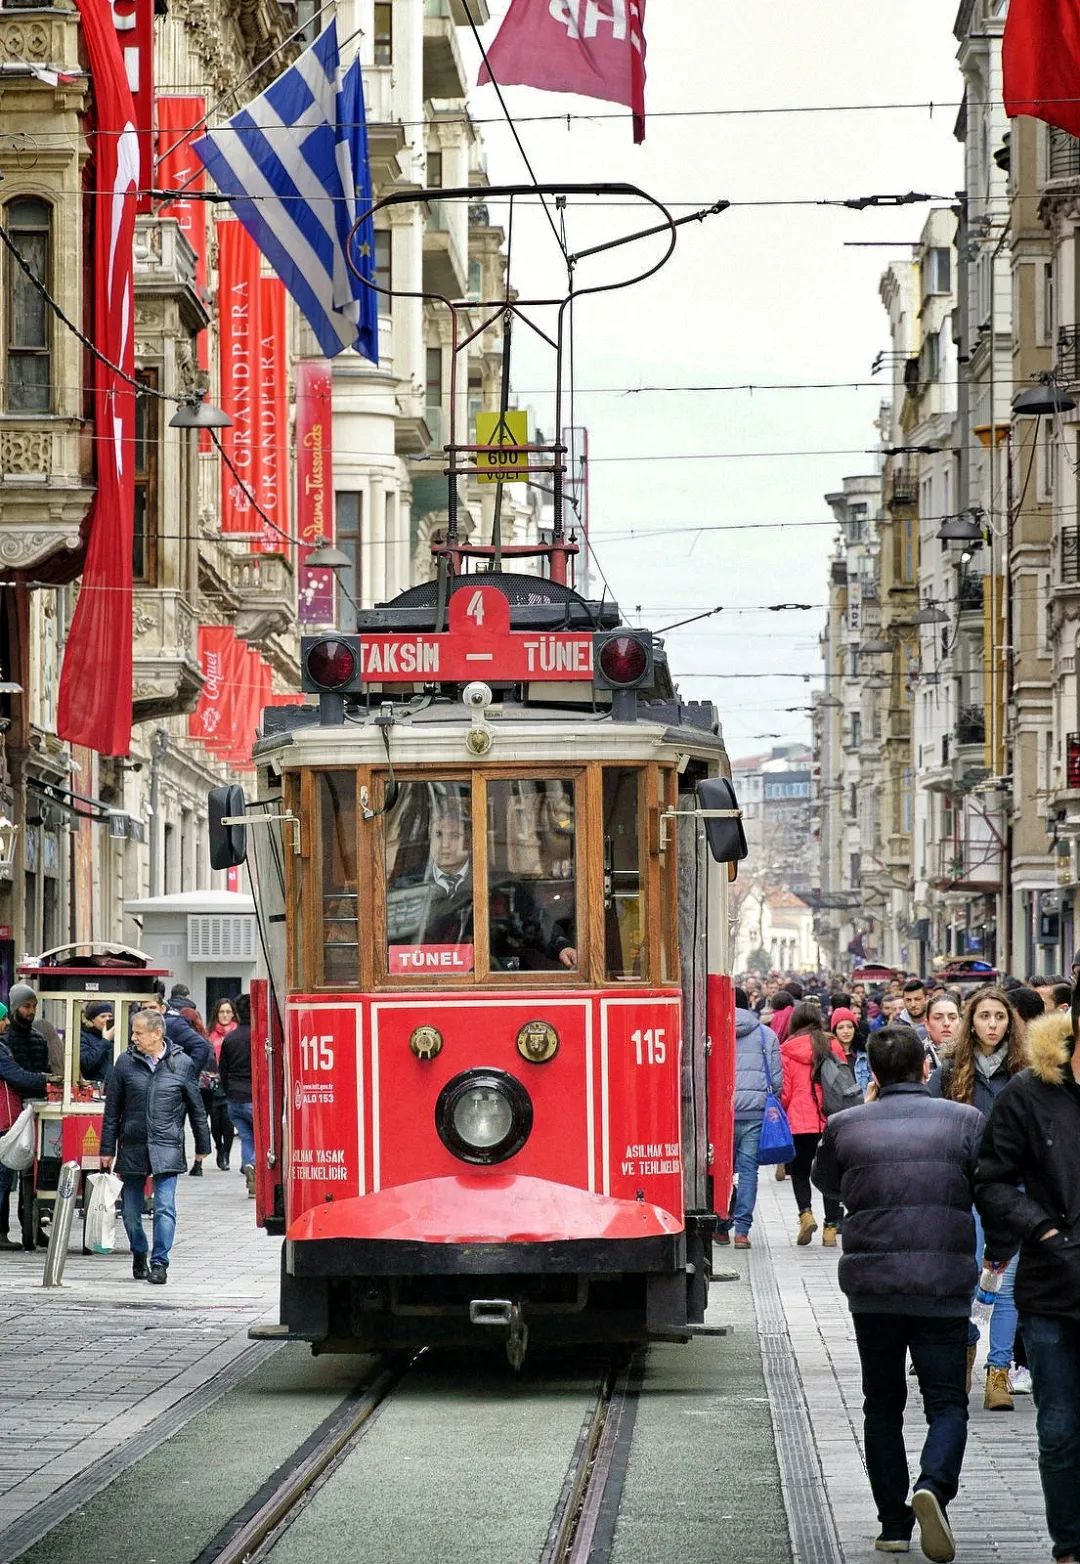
x=483 y=1116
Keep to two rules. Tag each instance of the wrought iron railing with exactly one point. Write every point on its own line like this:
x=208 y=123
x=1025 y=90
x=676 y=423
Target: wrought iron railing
x=1067 y=362
x=970 y=589
x=1070 y=555
x=1064 y=155
x=971 y=725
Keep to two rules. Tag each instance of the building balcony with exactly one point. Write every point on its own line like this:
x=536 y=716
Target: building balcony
x=1063 y=160
x=165 y=270
x=41 y=36
x=44 y=495
x=166 y=677
x=1068 y=559
x=386 y=133
x=266 y=596
x=413 y=433
x=446 y=256
x=903 y=487
x=444 y=69
x=971 y=725
x=969 y=593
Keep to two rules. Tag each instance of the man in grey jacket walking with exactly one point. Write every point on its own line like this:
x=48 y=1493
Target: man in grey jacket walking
x=754 y=1043
x=904 y=1167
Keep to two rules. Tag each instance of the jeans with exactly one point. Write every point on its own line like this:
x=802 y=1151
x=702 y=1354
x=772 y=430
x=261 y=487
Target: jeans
x=938 y=1351
x=1053 y=1349
x=805 y=1147
x=131 y=1205
x=241 y=1113
x=747 y=1136
x=1003 y=1319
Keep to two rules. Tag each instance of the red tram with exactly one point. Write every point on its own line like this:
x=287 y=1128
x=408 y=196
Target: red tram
x=495 y=1092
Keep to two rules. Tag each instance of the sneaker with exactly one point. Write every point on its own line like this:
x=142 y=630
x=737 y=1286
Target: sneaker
x=195 y=1170
x=742 y=1240
x=893 y=1544
x=248 y=1171
x=935 y=1533
x=996 y=1397
x=159 y=1275
x=7 y=1243
x=139 y=1268
x=1020 y=1381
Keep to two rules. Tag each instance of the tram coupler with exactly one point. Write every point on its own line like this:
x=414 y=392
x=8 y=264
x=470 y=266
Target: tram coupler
x=503 y=1313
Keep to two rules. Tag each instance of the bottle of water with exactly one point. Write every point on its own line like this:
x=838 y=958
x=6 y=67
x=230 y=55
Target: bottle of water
x=985 y=1297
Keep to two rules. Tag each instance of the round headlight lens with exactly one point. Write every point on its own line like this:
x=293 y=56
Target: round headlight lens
x=483 y=1116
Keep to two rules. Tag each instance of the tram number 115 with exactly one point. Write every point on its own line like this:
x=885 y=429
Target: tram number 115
x=649 y=1046
x=317 y=1053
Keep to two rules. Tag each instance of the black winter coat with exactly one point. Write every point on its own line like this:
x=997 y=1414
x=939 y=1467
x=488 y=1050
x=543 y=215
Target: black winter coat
x=20 y=1083
x=903 y=1167
x=145 y=1109
x=1028 y=1175
x=184 y=1035
x=28 y=1048
x=95 y=1055
x=234 y=1065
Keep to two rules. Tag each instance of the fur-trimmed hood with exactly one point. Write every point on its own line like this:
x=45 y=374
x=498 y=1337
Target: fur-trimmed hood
x=1049 y=1042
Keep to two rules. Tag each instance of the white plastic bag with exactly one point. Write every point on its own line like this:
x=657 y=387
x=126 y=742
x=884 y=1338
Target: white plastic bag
x=100 y=1225
x=17 y=1145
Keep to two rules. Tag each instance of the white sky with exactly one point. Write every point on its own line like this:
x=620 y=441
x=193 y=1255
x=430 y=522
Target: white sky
x=754 y=295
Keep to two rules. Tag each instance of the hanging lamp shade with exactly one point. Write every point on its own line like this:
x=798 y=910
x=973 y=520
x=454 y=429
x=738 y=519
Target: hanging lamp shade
x=1045 y=398
x=199 y=414
x=327 y=557
x=961 y=529
x=930 y=614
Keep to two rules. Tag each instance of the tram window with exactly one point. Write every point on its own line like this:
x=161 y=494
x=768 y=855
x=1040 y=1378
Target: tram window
x=429 y=883
x=532 y=914
x=337 y=823
x=624 y=900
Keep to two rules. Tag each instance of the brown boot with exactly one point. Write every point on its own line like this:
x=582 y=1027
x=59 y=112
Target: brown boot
x=807 y=1227
x=781 y=1173
x=971 y=1351
x=828 y=1236
x=996 y=1397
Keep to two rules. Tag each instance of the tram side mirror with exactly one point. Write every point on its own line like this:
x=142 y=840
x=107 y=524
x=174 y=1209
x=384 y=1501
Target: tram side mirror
x=727 y=839
x=228 y=843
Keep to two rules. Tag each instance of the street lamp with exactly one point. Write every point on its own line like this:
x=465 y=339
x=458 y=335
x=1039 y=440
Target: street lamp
x=930 y=614
x=965 y=529
x=197 y=413
x=9 y=833
x=875 y=646
x=1046 y=397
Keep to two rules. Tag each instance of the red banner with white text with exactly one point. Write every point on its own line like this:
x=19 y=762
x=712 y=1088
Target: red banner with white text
x=94 y=704
x=239 y=333
x=273 y=415
x=208 y=722
x=316 y=593
x=237 y=685
x=179 y=169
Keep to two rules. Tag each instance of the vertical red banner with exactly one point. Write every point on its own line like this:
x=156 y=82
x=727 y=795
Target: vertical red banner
x=273 y=414
x=179 y=169
x=238 y=316
x=314 y=488
x=134 y=23
x=209 y=721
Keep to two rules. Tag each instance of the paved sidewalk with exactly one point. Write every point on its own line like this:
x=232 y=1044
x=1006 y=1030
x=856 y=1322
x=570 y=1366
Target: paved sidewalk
x=997 y=1515
x=86 y=1366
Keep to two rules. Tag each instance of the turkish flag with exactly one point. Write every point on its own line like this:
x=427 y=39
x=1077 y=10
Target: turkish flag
x=94 y=706
x=594 y=47
x=1040 y=61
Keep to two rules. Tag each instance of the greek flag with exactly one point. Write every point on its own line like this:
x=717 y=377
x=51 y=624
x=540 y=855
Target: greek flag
x=294 y=165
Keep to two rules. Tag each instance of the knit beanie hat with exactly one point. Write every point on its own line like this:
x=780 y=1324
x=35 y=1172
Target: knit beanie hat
x=18 y=994
x=842 y=1014
x=3 y=1012
x=100 y=1007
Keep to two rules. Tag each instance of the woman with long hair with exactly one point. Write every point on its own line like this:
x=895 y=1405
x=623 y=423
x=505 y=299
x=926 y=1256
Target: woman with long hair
x=988 y=1049
x=222 y=1021
x=802 y=1052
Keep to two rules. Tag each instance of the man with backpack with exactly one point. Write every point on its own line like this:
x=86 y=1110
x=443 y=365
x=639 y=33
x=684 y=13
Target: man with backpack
x=904 y=1167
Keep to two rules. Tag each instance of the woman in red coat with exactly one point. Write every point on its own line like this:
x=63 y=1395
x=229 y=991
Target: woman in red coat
x=801 y=1053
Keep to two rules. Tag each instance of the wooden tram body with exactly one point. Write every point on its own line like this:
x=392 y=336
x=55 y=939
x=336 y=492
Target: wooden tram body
x=519 y=1121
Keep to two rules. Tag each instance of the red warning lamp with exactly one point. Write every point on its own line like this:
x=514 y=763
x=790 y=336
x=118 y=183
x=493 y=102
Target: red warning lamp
x=331 y=664
x=623 y=661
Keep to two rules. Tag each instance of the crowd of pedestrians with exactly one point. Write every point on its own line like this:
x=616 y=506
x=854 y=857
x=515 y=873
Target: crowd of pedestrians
x=949 y=1168
x=174 y=1070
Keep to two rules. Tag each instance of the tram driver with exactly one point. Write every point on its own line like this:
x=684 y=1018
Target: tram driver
x=522 y=937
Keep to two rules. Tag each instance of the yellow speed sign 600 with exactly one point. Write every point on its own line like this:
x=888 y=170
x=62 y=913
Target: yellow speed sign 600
x=510 y=431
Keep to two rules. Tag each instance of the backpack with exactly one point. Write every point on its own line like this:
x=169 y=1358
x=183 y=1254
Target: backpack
x=838 y=1088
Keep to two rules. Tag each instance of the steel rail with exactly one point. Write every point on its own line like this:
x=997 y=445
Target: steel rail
x=583 y=1526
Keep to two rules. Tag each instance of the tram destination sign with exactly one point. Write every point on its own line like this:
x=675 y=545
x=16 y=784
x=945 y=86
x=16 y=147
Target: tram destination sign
x=478 y=645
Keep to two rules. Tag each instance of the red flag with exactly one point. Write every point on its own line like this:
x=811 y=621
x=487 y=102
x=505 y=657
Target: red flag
x=238 y=309
x=273 y=415
x=210 y=720
x=94 y=706
x=594 y=47
x=1040 y=62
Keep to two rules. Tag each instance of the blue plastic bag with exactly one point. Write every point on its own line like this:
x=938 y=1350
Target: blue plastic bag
x=776 y=1144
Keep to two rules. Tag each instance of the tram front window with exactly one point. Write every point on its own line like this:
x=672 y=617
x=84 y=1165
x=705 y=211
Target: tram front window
x=340 y=953
x=527 y=858
x=624 y=904
x=532 y=916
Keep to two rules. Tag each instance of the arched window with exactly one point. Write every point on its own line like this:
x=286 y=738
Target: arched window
x=27 y=324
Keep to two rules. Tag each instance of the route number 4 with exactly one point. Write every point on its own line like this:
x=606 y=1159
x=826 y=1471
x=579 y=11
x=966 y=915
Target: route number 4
x=649 y=1046
x=317 y=1053
x=475 y=610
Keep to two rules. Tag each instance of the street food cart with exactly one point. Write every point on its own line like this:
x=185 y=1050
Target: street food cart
x=69 y=1121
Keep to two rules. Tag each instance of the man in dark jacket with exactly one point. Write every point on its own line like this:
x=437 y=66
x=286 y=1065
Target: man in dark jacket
x=752 y=1040
x=29 y=1047
x=903 y=1166
x=16 y=1084
x=1027 y=1190
x=153 y=1087
x=96 y=1042
x=234 y=1070
x=181 y=1033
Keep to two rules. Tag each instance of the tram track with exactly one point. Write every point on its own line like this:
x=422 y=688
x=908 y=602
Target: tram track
x=584 y=1522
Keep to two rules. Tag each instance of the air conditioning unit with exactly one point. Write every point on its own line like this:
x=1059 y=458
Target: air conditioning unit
x=221 y=936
